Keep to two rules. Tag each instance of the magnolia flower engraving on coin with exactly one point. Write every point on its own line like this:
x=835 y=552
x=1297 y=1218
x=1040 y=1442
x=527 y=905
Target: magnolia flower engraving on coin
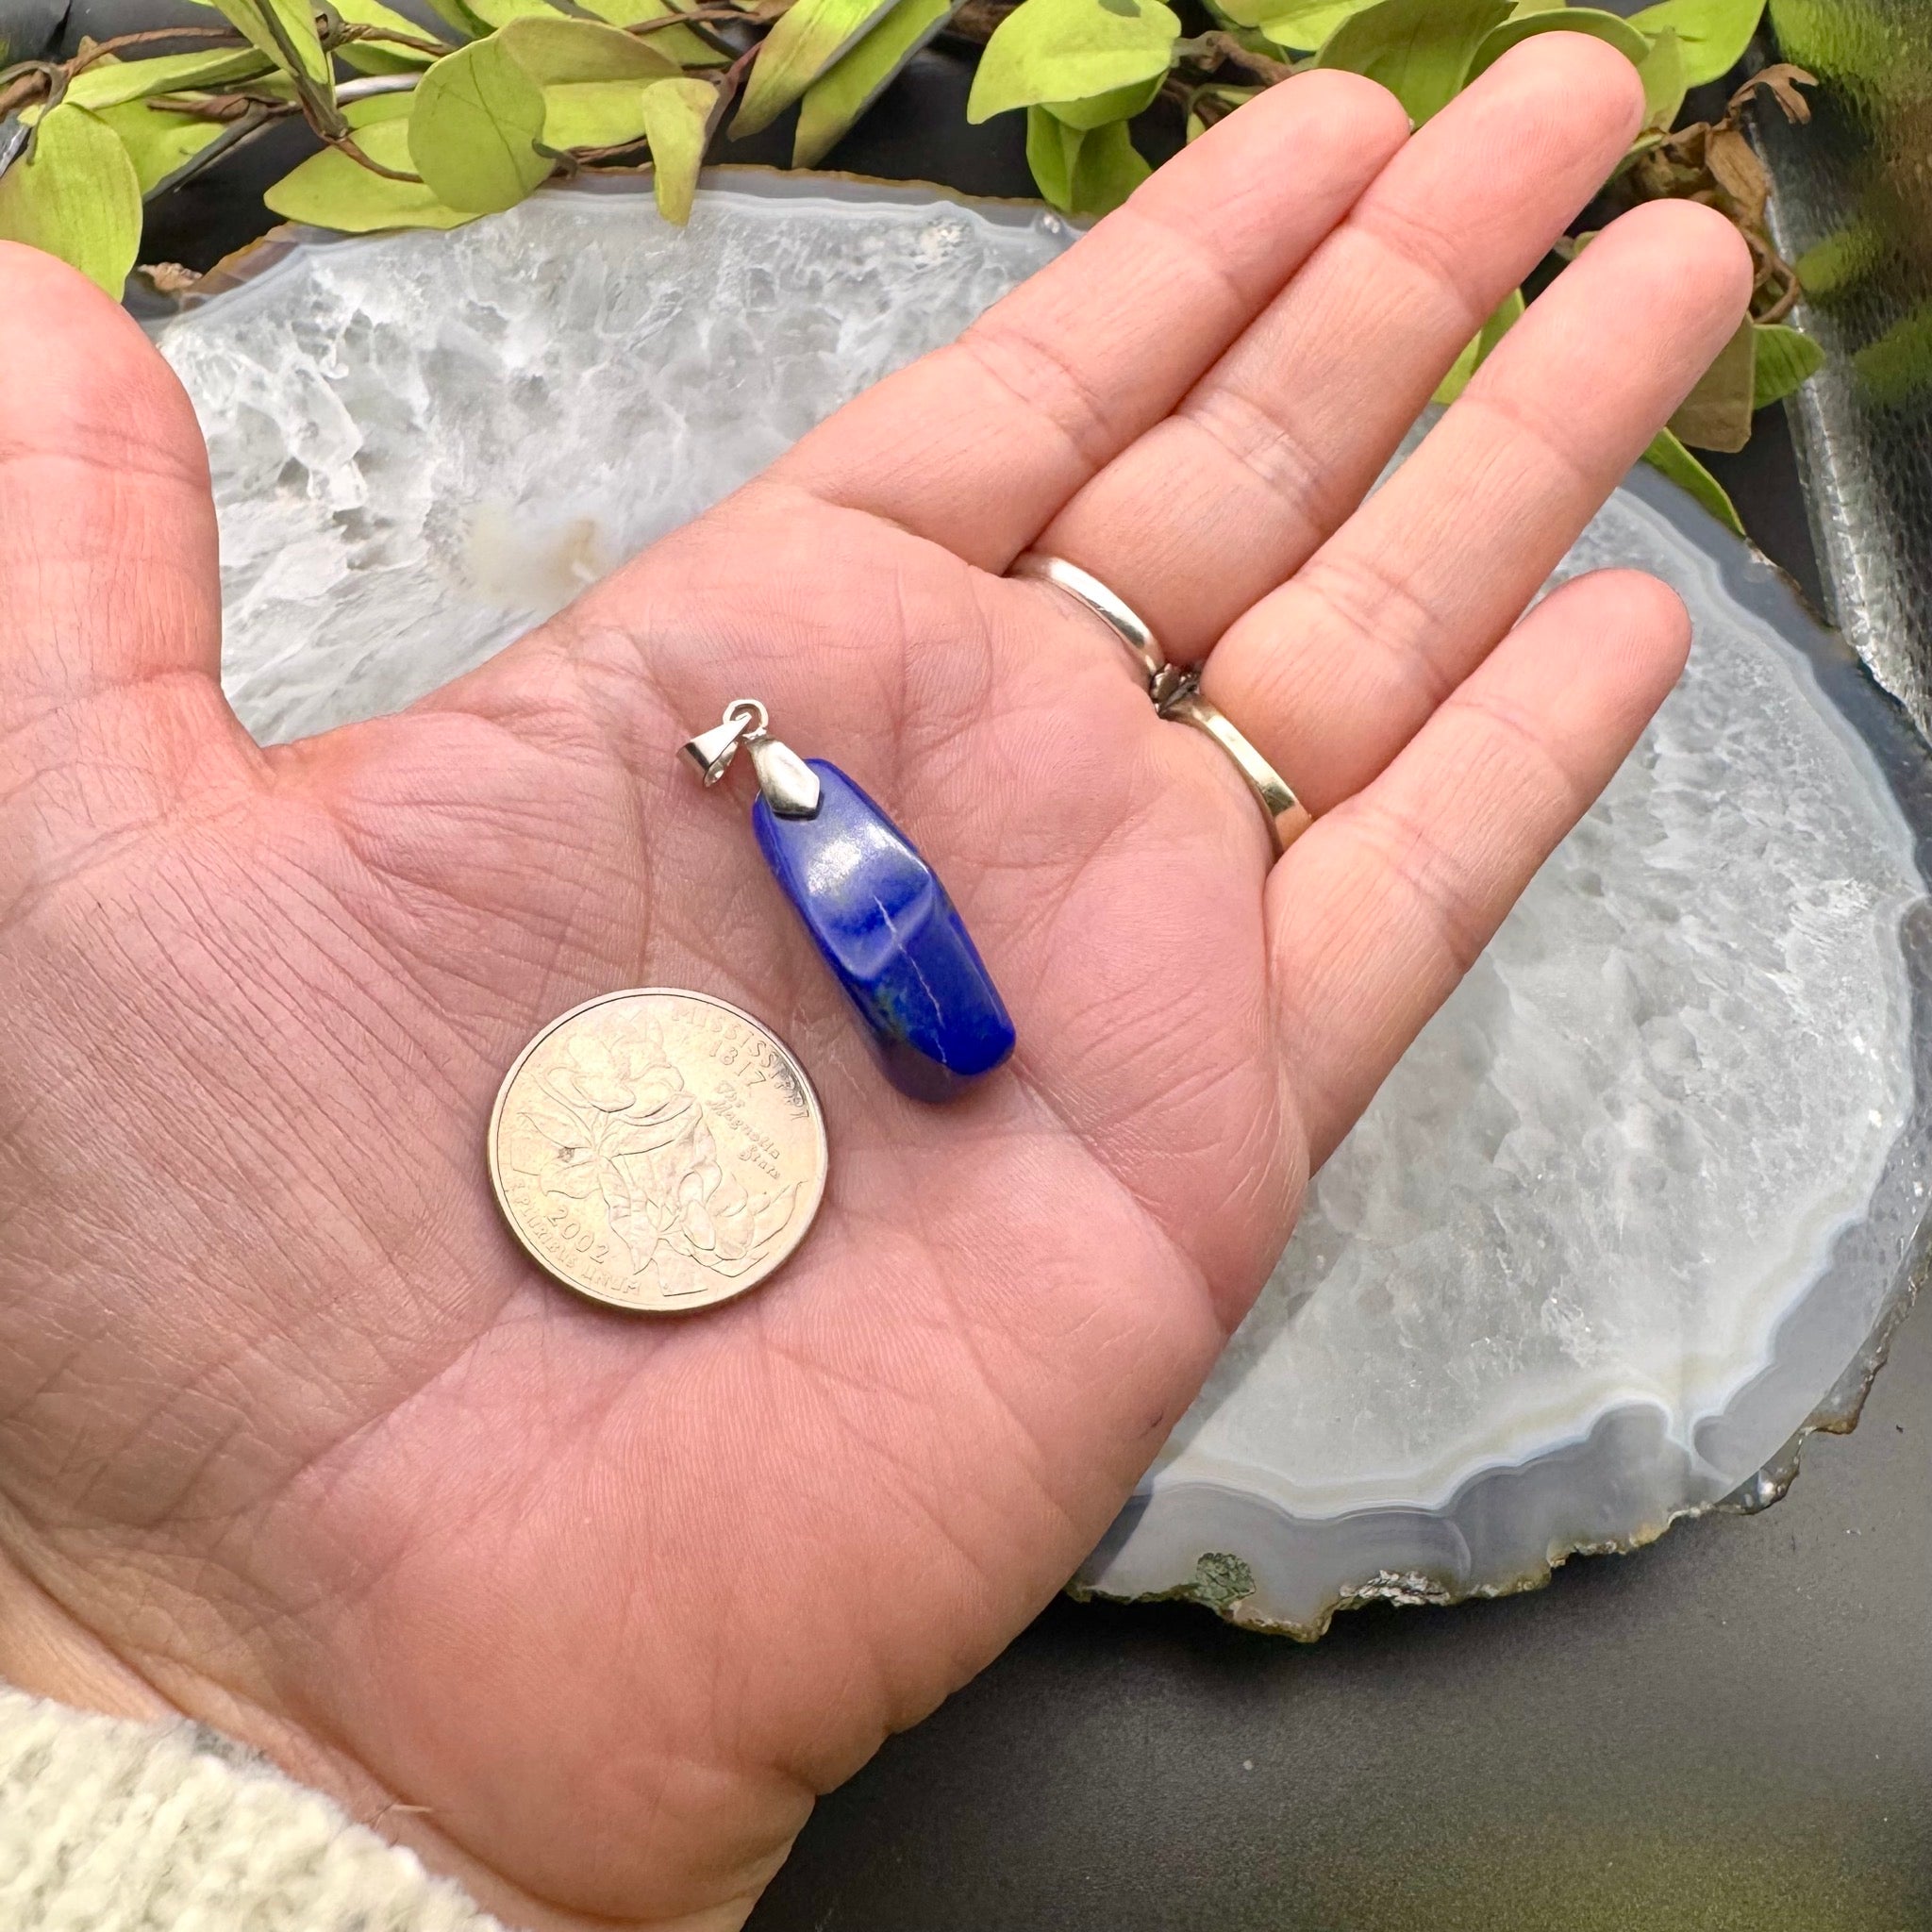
x=658 y=1149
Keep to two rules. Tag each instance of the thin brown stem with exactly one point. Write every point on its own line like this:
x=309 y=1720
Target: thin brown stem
x=698 y=16
x=153 y=33
x=23 y=91
x=1211 y=50
x=435 y=48
x=345 y=143
x=585 y=156
x=1776 y=278
x=223 y=107
x=316 y=95
x=701 y=20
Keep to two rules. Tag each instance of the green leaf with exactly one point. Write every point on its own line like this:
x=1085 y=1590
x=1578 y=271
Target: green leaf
x=1475 y=352
x=1662 y=73
x=158 y=142
x=1052 y=148
x=373 y=110
x=1418 y=49
x=330 y=190
x=1123 y=103
x=1842 y=259
x=1715 y=33
x=592 y=78
x=1717 y=413
x=107 y=82
x=1108 y=170
x=1676 y=462
x=1461 y=371
x=285 y=31
x=552 y=50
x=1898 y=368
x=1521 y=27
x=1300 y=24
x=811 y=37
x=835 y=100
x=593 y=114
x=678 y=117
x=76 y=196
x=1082 y=171
x=1071 y=50
x=474 y=127
x=380 y=57
x=1785 y=357
x=679 y=42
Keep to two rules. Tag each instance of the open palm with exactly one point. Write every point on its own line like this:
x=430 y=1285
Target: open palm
x=292 y=1436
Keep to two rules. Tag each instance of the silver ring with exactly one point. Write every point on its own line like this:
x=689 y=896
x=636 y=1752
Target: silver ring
x=1176 y=693
x=1287 y=817
x=1085 y=588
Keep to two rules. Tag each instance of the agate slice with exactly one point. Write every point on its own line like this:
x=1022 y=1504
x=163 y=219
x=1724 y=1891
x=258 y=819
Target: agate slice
x=1636 y=1209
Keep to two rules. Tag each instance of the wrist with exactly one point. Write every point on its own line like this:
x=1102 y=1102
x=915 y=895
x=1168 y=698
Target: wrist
x=50 y=1654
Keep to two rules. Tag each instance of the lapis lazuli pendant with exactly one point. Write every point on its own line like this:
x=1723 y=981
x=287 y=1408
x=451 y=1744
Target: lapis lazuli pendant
x=874 y=907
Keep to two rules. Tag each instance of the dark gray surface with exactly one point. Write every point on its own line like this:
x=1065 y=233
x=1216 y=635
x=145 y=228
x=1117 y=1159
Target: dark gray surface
x=27 y=28
x=1732 y=1729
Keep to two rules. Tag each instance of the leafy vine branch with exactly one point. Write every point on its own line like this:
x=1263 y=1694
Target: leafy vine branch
x=433 y=129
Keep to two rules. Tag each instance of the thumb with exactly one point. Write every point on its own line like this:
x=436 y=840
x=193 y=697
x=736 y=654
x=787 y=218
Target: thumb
x=109 y=594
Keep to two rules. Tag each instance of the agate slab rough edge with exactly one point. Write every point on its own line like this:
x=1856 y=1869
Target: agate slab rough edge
x=1227 y=1538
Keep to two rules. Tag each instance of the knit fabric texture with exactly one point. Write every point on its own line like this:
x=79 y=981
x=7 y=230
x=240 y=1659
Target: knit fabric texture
x=107 y=1826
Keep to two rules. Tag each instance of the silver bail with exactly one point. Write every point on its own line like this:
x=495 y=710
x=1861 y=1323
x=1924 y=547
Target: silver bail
x=791 y=787
x=712 y=751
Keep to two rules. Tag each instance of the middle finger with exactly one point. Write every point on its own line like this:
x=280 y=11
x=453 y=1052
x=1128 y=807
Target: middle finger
x=1274 y=447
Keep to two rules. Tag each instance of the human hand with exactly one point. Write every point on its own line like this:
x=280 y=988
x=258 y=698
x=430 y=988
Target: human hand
x=294 y=1438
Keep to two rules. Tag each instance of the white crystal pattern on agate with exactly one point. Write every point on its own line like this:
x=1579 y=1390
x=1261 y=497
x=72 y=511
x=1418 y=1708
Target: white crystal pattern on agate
x=1590 y=1214
x=420 y=452
x=1631 y=1134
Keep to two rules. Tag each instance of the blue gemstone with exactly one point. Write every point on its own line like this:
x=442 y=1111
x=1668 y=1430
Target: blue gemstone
x=889 y=932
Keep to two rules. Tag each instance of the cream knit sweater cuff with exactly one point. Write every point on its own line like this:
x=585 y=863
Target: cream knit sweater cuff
x=107 y=1826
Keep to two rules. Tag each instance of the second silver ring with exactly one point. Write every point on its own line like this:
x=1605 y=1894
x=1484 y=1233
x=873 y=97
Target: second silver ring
x=1176 y=693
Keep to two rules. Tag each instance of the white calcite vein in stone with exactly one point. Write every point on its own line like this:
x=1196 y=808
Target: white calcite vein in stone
x=1574 y=1274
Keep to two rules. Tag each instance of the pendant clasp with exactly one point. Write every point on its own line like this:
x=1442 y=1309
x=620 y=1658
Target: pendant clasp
x=789 y=786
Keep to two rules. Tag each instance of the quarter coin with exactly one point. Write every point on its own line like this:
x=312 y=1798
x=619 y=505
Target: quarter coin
x=658 y=1149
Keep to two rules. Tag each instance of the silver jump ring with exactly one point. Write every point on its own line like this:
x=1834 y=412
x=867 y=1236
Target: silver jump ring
x=1176 y=693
